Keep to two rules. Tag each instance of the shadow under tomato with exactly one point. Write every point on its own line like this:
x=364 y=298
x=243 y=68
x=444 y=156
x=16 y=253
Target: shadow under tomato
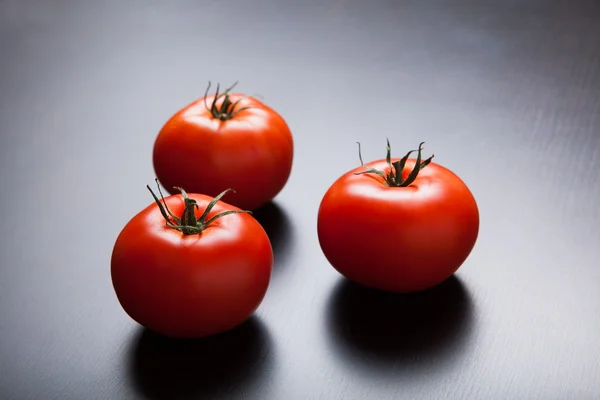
x=378 y=330
x=276 y=223
x=226 y=365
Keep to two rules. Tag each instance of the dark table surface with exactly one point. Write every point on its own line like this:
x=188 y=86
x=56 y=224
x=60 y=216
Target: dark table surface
x=506 y=94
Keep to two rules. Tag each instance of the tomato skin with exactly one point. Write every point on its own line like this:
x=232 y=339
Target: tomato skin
x=191 y=286
x=251 y=153
x=398 y=239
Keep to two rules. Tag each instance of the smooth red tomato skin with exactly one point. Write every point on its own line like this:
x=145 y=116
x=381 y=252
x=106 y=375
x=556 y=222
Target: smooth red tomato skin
x=191 y=286
x=398 y=239
x=251 y=153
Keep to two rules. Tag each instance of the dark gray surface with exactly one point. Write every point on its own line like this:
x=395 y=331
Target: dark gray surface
x=506 y=94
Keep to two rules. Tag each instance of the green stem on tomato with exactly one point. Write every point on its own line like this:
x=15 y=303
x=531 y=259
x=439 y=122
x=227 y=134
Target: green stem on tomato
x=227 y=110
x=394 y=177
x=188 y=224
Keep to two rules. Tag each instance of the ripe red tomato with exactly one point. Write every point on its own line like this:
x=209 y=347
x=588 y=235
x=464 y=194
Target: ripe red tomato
x=395 y=227
x=225 y=141
x=191 y=276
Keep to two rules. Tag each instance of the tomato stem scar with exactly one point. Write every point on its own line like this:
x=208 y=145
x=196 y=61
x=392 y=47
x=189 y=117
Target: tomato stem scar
x=188 y=224
x=394 y=177
x=227 y=110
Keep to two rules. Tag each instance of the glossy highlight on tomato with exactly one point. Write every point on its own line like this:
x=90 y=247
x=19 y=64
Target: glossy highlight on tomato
x=398 y=224
x=190 y=265
x=226 y=140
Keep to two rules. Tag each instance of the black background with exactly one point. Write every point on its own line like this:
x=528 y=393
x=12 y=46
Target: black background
x=506 y=94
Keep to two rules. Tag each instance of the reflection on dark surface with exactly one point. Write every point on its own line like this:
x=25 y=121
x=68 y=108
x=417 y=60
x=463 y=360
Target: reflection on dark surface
x=223 y=365
x=276 y=223
x=378 y=329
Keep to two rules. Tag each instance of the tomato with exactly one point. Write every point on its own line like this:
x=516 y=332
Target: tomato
x=191 y=276
x=398 y=225
x=225 y=141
